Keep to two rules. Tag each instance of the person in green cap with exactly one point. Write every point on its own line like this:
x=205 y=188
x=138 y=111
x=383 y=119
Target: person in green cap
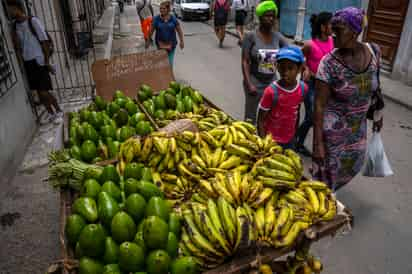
x=258 y=57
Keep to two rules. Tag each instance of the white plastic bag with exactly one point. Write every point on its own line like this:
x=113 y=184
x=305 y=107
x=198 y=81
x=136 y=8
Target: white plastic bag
x=376 y=162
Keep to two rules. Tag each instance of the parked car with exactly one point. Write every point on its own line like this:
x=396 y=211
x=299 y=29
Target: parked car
x=192 y=9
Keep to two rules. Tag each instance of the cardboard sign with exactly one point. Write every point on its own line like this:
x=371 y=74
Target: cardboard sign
x=128 y=72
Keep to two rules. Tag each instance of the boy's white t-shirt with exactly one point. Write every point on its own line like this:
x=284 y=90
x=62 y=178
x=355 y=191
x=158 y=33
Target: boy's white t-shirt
x=31 y=48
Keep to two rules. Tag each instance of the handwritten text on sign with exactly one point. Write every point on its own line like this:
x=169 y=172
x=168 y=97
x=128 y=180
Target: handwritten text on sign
x=136 y=63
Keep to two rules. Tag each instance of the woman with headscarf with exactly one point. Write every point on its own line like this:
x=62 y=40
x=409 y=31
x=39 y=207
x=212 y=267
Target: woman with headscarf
x=347 y=78
x=258 y=57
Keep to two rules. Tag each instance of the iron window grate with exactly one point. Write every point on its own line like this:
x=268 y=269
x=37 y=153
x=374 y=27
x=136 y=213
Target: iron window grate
x=7 y=70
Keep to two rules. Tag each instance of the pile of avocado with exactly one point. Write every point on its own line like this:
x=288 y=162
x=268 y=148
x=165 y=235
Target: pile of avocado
x=96 y=131
x=123 y=225
x=168 y=103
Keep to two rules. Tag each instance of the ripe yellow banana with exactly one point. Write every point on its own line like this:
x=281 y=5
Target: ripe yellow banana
x=286 y=227
x=295 y=158
x=229 y=223
x=216 y=157
x=276 y=184
x=199 y=161
x=208 y=138
x=315 y=185
x=217 y=132
x=242 y=168
x=260 y=221
x=243 y=227
x=275 y=164
x=296 y=198
x=172 y=145
x=213 y=235
x=270 y=215
x=239 y=151
x=220 y=187
x=276 y=174
x=255 y=189
x=322 y=203
x=247 y=144
x=281 y=220
x=235 y=137
x=262 y=198
x=293 y=233
x=207 y=188
x=232 y=187
x=244 y=188
x=231 y=162
x=313 y=199
x=147 y=148
x=332 y=208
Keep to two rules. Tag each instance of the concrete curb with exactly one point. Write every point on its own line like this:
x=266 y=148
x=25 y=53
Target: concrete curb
x=109 y=44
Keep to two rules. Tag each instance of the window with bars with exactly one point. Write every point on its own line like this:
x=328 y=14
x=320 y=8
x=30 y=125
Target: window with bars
x=7 y=70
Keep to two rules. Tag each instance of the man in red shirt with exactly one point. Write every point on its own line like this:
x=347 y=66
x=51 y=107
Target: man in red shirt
x=279 y=106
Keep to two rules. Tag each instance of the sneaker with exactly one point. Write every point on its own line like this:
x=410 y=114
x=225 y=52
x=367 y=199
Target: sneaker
x=220 y=44
x=303 y=150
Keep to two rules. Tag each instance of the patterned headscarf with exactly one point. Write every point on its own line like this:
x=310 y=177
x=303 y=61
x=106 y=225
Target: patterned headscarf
x=353 y=17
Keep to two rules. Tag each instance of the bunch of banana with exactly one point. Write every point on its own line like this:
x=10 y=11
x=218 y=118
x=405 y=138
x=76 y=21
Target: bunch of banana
x=128 y=151
x=215 y=231
x=307 y=265
x=279 y=170
x=175 y=188
x=236 y=188
x=211 y=119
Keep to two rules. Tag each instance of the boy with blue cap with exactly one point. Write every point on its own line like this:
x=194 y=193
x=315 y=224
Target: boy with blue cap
x=279 y=106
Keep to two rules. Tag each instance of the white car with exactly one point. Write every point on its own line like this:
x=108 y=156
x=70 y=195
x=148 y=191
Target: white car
x=192 y=9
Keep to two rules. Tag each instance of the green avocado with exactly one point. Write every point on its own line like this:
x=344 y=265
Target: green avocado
x=109 y=174
x=131 y=257
x=158 y=262
x=107 y=208
x=112 y=189
x=123 y=227
x=111 y=251
x=90 y=188
x=135 y=206
x=92 y=240
x=184 y=265
x=86 y=207
x=74 y=226
x=90 y=266
x=155 y=233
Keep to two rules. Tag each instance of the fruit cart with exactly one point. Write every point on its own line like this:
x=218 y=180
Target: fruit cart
x=127 y=72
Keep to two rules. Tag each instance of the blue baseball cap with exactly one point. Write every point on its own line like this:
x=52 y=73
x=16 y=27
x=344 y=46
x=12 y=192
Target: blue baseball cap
x=291 y=53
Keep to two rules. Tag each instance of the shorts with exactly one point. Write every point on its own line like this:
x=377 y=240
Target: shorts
x=240 y=17
x=221 y=20
x=38 y=76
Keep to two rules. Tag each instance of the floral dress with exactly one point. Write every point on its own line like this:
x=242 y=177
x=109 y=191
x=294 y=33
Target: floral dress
x=344 y=122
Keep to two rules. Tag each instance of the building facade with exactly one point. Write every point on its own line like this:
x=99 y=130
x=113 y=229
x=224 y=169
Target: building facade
x=389 y=25
x=17 y=123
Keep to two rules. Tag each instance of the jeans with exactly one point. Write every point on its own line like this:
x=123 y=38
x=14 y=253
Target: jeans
x=308 y=121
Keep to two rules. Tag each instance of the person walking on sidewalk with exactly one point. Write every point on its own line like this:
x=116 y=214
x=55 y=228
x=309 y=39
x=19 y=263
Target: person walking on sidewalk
x=32 y=43
x=347 y=79
x=145 y=12
x=314 y=50
x=221 y=11
x=240 y=7
x=166 y=25
x=279 y=107
x=258 y=57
